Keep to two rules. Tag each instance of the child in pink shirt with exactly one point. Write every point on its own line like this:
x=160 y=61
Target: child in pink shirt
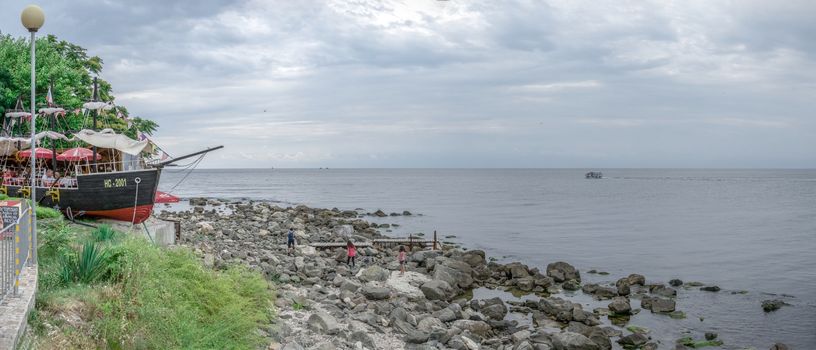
x=352 y=253
x=402 y=257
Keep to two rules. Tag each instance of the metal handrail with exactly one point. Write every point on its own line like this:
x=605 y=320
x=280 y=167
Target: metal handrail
x=15 y=251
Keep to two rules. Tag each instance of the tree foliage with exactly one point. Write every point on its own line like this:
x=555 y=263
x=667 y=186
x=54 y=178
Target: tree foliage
x=70 y=71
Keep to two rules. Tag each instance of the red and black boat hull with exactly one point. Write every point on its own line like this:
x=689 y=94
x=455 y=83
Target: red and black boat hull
x=123 y=195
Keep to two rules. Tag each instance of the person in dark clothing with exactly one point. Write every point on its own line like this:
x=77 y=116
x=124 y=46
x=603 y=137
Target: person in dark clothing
x=290 y=241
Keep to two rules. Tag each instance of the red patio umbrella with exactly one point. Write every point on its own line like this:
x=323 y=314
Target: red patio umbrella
x=76 y=154
x=39 y=153
x=162 y=197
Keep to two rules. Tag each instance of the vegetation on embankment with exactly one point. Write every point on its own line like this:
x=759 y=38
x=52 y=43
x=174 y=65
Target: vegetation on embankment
x=101 y=289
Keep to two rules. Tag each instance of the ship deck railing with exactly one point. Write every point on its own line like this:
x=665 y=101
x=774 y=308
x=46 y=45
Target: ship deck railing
x=63 y=182
x=87 y=168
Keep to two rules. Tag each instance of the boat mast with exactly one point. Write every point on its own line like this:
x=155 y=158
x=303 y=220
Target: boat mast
x=167 y=162
x=95 y=112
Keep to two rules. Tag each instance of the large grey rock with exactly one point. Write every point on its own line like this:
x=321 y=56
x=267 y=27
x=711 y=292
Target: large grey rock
x=474 y=257
x=375 y=293
x=559 y=308
x=292 y=346
x=445 y=315
x=521 y=336
x=517 y=270
x=634 y=340
x=349 y=285
x=571 y=284
x=657 y=304
x=475 y=327
x=561 y=271
x=436 y=290
x=456 y=273
x=772 y=304
x=362 y=337
x=416 y=337
x=636 y=279
x=429 y=324
x=659 y=289
x=623 y=286
x=494 y=308
x=620 y=306
x=572 y=341
x=373 y=273
x=599 y=337
x=326 y=346
x=423 y=255
x=323 y=322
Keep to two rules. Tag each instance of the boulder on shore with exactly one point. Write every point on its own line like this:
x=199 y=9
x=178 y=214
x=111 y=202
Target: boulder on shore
x=323 y=322
x=561 y=271
x=375 y=293
x=572 y=341
x=373 y=273
x=634 y=340
x=494 y=308
x=620 y=306
x=436 y=290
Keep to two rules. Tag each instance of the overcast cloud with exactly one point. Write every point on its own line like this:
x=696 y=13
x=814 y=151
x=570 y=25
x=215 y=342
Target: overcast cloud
x=457 y=83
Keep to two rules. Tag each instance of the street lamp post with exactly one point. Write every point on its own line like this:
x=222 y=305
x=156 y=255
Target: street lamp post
x=33 y=19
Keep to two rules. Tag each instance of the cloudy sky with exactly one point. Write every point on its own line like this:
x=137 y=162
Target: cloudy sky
x=425 y=83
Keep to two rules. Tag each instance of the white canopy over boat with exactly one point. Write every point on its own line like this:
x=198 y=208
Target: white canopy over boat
x=107 y=138
x=8 y=145
x=18 y=115
x=52 y=111
x=97 y=106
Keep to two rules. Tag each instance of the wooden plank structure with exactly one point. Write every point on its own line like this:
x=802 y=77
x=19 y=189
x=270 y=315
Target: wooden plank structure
x=409 y=241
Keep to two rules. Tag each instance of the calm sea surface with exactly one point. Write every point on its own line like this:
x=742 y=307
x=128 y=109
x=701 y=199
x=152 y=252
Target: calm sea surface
x=743 y=230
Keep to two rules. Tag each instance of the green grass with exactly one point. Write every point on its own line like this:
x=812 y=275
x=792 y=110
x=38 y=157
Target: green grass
x=47 y=213
x=131 y=294
x=103 y=233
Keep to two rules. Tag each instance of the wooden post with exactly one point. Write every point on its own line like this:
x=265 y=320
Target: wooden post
x=434 y=242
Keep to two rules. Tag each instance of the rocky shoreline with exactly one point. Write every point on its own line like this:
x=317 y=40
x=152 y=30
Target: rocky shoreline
x=324 y=304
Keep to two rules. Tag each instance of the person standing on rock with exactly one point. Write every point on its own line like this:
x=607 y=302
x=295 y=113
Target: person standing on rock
x=290 y=241
x=402 y=257
x=352 y=253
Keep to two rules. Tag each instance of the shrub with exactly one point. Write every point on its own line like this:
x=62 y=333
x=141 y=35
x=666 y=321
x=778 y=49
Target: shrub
x=103 y=233
x=47 y=213
x=86 y=264
x=55 y=242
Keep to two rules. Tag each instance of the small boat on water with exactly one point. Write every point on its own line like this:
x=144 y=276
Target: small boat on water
x=105 y=174
x=594 y=175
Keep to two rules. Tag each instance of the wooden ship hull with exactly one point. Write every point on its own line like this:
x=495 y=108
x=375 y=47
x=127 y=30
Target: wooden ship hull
x=120 y=195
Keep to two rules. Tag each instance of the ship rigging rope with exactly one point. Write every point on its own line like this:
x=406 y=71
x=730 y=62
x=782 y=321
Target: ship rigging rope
x=135 y=201
x=189 y=171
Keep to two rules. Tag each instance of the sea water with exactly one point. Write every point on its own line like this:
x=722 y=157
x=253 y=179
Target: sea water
x=751 y=232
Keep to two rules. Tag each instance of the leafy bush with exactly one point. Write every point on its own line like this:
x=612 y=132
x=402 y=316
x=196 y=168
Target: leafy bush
x=88 y=264
x=55 y=242
x=47 y=213
x=103 y=233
